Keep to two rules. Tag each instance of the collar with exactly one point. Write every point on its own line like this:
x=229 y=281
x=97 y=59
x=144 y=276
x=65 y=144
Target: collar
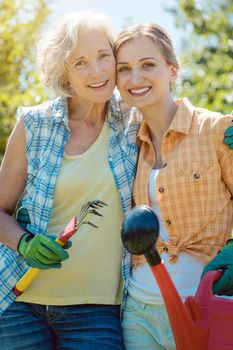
x=60 y=110
x=114 y=113
x=181 y=122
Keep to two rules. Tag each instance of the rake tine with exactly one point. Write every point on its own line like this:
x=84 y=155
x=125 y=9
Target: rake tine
x=86 y=223
x=98 y=203
x=89 y=223
x=96 y=206
x=86 y=209
x=102 y=203
x=95 y=212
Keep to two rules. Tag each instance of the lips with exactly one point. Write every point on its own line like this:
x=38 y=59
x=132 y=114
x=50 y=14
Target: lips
x=98 y=85
x=139 y=91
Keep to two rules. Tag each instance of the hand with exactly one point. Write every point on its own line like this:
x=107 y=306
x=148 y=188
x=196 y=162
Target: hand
x=41 y=251
x=138 y=260
x=228 y=137
x=222 y=261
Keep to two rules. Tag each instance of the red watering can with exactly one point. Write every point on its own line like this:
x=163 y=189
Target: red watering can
x=202 y=322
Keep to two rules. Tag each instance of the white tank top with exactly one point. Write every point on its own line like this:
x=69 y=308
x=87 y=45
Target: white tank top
x=185 y=273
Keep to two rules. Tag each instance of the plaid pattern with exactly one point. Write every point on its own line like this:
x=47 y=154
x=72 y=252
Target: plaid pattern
x=195 y=202
x=47 y=131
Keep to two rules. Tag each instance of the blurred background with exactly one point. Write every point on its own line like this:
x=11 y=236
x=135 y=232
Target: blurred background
x=201 y=30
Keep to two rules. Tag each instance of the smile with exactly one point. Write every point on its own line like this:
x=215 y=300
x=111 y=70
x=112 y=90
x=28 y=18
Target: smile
x=98 y=85
x=139 y=92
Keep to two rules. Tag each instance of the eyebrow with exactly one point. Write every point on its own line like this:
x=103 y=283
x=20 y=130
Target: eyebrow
x=83 y=57
x=142 y=59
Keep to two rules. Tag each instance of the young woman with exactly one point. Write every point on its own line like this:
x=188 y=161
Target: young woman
x=184 y=173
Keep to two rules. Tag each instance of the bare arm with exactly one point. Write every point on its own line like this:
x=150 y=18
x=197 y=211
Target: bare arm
x=13 y=176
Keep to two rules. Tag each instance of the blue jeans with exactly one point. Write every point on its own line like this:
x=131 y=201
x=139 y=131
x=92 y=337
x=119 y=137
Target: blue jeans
x=26 y=326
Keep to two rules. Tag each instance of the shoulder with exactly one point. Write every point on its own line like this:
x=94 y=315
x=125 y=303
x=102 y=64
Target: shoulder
x=38 y=115
x=213 y=124
x=215 y=120
x=43 y=109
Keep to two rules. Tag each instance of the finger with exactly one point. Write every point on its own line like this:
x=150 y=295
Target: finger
x=36 y=264
x=210 y=267
x=53 y=247
x=67 y=245
x=229 y=132
x=46 y=255
x=228 y=140
x=223 y=282
x=228 y=288
x=138 y=259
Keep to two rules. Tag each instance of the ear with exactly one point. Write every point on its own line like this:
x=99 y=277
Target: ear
x=64 y=79
x=173 y=73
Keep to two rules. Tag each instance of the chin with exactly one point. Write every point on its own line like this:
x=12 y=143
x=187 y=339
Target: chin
x=139 y=103
x=104 y=98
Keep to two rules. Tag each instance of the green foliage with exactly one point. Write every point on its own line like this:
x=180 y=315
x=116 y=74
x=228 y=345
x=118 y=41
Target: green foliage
x=207 y=52
x=20 y=24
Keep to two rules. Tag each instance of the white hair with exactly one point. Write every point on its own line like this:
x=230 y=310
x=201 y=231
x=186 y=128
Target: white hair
x=61 y=39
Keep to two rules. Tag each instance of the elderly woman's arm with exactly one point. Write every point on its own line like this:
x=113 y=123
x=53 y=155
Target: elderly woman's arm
x=13 y=175
x=40 y=251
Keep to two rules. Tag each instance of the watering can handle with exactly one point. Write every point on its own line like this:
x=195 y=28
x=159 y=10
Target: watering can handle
x=204 y=290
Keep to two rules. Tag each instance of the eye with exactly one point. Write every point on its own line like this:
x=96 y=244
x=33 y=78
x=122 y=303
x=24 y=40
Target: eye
x=123 y=69
x=148 y=65
x=105 y=55
x=80 y=63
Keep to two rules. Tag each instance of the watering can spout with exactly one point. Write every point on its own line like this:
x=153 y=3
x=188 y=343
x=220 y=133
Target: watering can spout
x=139 y=233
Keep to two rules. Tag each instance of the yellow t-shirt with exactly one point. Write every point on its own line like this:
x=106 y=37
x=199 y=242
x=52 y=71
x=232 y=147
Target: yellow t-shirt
x=92 y=274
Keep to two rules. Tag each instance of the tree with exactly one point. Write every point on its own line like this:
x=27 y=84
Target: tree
x=20 y=23
x=207 y=53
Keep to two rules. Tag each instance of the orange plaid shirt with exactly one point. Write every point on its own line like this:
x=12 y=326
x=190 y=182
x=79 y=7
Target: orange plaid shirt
x=195 y=202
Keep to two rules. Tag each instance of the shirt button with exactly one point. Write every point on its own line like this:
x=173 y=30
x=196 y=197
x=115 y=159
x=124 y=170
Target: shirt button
x=197 y=176
x=165 y=249
x=161 y=189
x=168 y=134
x=168 y=222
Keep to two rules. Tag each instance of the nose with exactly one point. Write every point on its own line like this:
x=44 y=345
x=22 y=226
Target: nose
x=96 y=68
x=135 y=76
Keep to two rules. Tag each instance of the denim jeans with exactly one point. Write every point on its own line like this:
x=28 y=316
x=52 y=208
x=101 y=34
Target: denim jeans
x=26 y=326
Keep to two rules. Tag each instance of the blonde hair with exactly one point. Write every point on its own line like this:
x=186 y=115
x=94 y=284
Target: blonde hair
x=60 y=41
x=155 y=33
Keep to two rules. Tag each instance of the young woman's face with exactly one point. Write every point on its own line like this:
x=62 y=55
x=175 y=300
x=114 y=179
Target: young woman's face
x=91 y=67
x=143 y=75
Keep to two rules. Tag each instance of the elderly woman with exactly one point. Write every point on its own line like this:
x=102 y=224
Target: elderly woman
x=61 y=155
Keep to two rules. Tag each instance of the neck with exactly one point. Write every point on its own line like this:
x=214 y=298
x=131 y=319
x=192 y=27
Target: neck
x=159 y=118
x=86 y=111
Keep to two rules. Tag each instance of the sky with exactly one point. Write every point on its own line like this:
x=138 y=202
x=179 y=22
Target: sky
x=123 y=11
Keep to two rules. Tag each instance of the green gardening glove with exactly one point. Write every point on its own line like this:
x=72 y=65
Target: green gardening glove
x=222 y=261
x=41 y=251
x=228 y=137
x=22 y=217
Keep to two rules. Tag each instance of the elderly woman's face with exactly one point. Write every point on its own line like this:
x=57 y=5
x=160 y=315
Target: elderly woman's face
x=91 y=67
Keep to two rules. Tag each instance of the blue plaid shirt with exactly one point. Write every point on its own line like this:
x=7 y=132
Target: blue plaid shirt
x=47 y=131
